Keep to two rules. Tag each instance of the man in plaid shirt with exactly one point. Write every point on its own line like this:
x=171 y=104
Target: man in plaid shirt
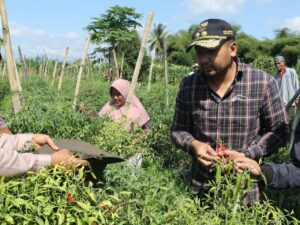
x=226 y=102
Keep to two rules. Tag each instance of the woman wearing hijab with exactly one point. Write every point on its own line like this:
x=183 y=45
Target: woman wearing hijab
x=115 y=108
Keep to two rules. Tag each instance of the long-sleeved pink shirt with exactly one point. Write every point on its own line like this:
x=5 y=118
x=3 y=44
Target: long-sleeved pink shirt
x=14 y=163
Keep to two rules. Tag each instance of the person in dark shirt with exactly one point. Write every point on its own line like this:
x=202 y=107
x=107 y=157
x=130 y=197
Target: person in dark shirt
x=228 y=103
x=279 y=176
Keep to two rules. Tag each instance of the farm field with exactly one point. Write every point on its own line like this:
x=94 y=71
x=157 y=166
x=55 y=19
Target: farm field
x=55 y=76
x=155 y=193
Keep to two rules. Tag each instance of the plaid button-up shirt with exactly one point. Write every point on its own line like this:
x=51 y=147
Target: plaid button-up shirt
x=250 y=116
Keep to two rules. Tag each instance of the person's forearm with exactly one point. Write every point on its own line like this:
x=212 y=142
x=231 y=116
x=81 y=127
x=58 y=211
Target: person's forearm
x=273 y=122
x=180 y=131
x=282 y=176
x=13 y=163
x=14 y=142
x=269 y=142
x=267 y=172
x=182 y=139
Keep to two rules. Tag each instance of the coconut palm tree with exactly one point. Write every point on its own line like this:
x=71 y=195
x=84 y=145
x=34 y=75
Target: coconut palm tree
x=156 y=41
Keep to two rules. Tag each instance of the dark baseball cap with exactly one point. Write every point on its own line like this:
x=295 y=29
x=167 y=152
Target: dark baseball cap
x=210 y=34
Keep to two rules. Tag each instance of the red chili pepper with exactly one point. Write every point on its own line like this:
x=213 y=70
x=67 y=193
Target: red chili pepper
x=71 y=199
x=227 y=157
x=222 y=148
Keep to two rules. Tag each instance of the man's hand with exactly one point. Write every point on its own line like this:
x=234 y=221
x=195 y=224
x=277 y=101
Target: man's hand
x=232 y=154
x=247 y=164
x=204 y=153
x=67 y=159
x=42 y=139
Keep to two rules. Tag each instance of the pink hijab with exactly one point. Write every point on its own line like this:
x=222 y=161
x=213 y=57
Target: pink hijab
x=136 y=113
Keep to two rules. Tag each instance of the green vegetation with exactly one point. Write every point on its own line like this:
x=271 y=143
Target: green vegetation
x=156 y=193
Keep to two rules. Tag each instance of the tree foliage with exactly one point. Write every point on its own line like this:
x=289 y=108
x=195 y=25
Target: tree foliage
x=265 y=63
x=247 y=47
x=283 y=33
x=177 y=48
x=116 y=25
x=116 y=29
x=156 y=39
x=250 y=48
x=131 y=52
x=289 y=47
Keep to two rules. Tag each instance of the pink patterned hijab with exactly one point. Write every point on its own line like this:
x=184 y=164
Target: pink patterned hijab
x=136 y=113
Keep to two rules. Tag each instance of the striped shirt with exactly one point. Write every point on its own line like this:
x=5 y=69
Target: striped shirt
x=250 y=116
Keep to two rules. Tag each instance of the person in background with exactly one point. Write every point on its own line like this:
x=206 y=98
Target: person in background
x=230 y=103
x=3 y=127
x=107 y=74
x=115 y=108
x=14 y=162
x=287 y=80
x=280 y=176
x=195 y=69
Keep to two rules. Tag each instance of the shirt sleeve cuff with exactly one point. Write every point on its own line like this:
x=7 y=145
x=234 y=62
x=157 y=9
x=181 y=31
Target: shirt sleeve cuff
x=189 y=144
x=254 y=152
x=43 y=160
x=267 y=171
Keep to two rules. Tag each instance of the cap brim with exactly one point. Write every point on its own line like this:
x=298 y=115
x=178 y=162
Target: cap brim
x=205 y=43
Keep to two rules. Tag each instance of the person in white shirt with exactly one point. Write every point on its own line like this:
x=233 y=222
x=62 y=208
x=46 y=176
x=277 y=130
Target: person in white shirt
x=14 y=162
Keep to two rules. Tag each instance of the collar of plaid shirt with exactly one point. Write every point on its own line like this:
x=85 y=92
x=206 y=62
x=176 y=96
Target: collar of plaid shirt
x=282 y=72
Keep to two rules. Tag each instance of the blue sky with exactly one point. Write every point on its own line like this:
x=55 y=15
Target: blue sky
x=48 y=26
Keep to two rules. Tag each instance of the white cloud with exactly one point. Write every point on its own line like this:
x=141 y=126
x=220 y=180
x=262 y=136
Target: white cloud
x=262 y=2
x=198 y=7
x=293 y=23
x=36 y=42
x=273 y=22
x=21 y=31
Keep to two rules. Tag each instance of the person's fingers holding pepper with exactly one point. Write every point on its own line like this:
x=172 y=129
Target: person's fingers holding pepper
x=204 y=153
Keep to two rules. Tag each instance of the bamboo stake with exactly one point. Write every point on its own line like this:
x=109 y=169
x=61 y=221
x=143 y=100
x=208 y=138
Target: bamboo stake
x=139 y=62
x=40 y=69
x=99 y=67
x=46 y=69
x=17 y=76
x=91 y=73
x=151 y=69
x=86 y=69
x=166 y=72
x=15 y=88
x=1 y=66
x=115 y=63
x=22 y=75
x=81 y=69
x=62 y=70
x=54 y=73
x=3 y=70
x=122 y=65
x=23 y=62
